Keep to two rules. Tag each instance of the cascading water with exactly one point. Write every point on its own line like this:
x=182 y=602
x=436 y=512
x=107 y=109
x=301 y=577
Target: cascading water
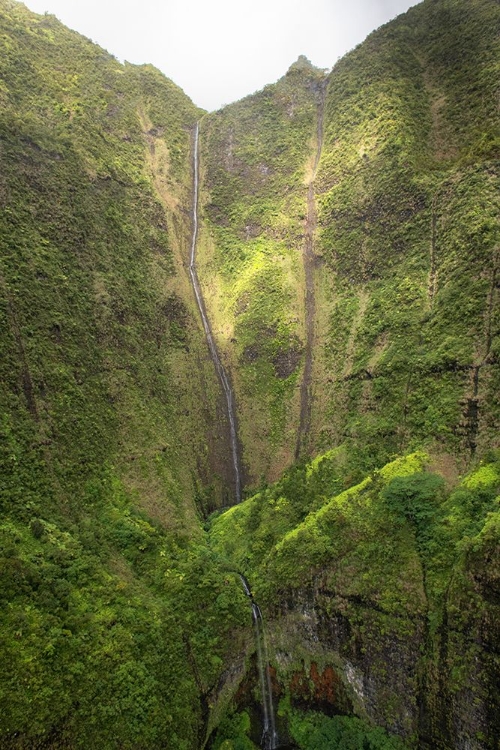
x=269 y=733
x=226 y=386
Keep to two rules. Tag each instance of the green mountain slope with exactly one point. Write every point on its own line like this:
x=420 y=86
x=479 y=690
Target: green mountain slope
x=382 y=597
x=112 y=434
x=408 y=213
x=349 y=259
x=405 y=255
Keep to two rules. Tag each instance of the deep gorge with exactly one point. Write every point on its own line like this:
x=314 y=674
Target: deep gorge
x=257 y=342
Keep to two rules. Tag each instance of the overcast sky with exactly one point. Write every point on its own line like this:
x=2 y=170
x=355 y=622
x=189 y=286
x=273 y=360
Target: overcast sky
x=221 y=50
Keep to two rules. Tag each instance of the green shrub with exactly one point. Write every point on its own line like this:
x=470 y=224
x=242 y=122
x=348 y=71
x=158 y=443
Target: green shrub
x=317 y=732
x=415 y=498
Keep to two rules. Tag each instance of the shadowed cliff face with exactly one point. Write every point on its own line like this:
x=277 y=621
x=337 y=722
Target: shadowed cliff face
x=112 y=434
x=382 y=598
x=348 y=256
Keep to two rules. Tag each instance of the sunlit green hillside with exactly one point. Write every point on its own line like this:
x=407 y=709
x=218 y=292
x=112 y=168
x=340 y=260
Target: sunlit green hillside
x=349 y=260
x=382 y=597
x=406 y=248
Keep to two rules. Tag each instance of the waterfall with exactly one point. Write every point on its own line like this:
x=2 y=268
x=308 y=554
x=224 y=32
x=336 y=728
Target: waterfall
x=269 y=733
x=226 y=386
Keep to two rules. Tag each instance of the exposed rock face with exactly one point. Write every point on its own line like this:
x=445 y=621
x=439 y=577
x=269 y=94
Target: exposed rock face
x=378 y=604
x=435 y=691
x=323 y=691
x=368 y=661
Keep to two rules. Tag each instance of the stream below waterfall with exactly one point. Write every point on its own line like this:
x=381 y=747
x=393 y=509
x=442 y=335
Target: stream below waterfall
x=222 y=375
x=269 y=739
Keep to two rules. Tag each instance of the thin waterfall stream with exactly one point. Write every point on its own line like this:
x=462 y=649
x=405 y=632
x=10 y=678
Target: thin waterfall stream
x=226 y=386
x=269 y=739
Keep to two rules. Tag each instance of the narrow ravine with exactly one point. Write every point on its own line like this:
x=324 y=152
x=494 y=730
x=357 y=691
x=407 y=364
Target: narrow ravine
x=269 y=739
x=310 y=301
x=221 y=373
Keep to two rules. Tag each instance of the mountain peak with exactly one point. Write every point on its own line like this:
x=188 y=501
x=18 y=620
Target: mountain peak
x=302 y=63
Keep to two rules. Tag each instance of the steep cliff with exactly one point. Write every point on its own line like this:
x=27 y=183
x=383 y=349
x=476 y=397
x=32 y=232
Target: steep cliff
x=382 y=599
x=403 y=262
x=112 y=425
x=255 y=157
x=348 y=255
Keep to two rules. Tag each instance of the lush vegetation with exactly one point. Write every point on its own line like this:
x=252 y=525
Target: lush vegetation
x=123 y=622
x=383 y=565
x=103 y=640
x=114 y=617
x=318 y=732
x=310 y=731
x=408 y=199
x=255 y=158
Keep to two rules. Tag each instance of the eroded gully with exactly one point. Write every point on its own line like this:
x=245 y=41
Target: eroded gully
x=310 y=301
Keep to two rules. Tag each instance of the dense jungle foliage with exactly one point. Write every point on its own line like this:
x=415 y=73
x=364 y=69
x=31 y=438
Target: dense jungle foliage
x=104 y=429
x=375 y=558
